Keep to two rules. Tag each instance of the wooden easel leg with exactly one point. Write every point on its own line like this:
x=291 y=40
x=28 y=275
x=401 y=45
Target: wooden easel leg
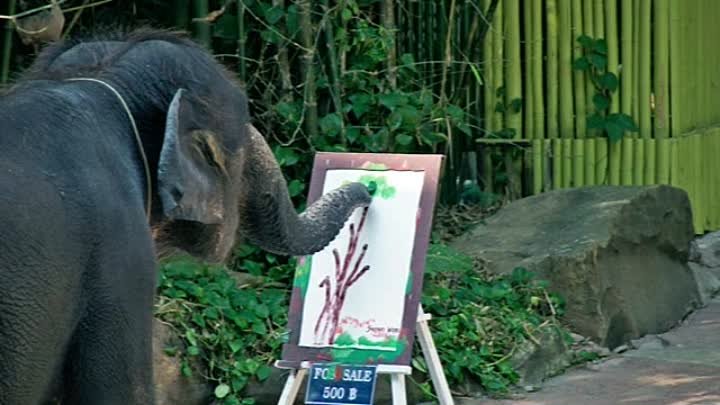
x=442 y=389
x=292 y=386
x=397 y=387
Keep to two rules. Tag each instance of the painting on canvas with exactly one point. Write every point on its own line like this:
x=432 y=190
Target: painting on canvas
x=356 y=300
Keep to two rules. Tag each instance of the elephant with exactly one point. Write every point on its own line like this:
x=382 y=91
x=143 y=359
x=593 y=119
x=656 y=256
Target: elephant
x=115 y=150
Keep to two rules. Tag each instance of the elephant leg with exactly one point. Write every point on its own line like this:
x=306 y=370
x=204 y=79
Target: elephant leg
x=110 y=361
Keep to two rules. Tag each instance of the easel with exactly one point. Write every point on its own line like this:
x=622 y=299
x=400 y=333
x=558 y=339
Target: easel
x=397 y=373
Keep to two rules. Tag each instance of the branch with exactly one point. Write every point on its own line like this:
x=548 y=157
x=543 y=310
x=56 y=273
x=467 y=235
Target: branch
x=215 y=14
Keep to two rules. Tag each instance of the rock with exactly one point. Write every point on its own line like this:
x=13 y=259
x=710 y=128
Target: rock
x=621 y=349
x=708 y=281
x=171 y=387
x=706 y=250
x=534 y=363
x=618 y=255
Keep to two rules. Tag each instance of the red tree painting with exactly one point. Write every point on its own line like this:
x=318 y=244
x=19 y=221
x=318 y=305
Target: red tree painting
x=347 y=273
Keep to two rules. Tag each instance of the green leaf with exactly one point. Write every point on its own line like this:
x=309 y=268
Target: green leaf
x=585 y=41
x=598 y=61
x=600 y=46
x=295 y=187
x=614 y=130
x=361 y=103
x=403 y=139
x=222 y=390
x=193 y=351
x=346 y=14
x=392 y=100
x=286 y=156
x=263 y=372
x=581 y=63
x=331 y=124
x=516 y=105
x=595 y=121
x=352 y=133
x=609 y=81
x=408 y=61
x=274 y=14
x=601 y=102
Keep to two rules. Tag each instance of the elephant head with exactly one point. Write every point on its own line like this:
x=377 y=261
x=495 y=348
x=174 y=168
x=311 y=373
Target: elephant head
x=216 y=180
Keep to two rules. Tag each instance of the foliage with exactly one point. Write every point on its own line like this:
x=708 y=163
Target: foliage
x=594 y=63
x=479 y=319
x=234 y=331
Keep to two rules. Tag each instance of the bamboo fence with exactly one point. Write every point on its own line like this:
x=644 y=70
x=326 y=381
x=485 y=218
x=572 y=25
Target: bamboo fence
x=666 y=62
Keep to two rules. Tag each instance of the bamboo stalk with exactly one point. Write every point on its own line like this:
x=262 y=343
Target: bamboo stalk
x=636 y=59
x=627 y=162
x=7 y=45
x=611 y=37
x=242 y=39
x=615 y=160
x=663 y=161
x=310 y=100
x=552 y=67
x=498 y=58
x=675 y=75
x=203 y=29
x=601 y=167
x=599 y=14
x=337 y=89
x=661 y=76
x=626 y=76
x=567 y=162
x=557 y=153
x=650 y=161
x=639 y=157
x=565 y=43
x=537 y=154
x=579 y=79
x=537 y=69
x=644 y=75
x=489 y=103
x=589 y=30
x=529 y=96
x=674 y=162
x=388 y=23
x=578 y=162
x=697 y=183
x=513 y=74
x=590 y=161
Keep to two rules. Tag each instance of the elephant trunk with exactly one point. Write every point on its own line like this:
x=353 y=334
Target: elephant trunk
x=269 y=219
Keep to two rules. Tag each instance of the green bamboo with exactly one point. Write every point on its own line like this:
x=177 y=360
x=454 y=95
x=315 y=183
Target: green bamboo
x=663 y=161
x=644 y=74
x=601 y=167
x=639 y=158
x=578 y=162
x=7 y=45
x=676 y=61
x=513 y=75
x=590 y=161
x=537 y=69
x=636 y=59
x=674 y=162
x=307 y=38
x=599 y=15
x=242 y=40
x=567 y=163
x=332 y=54
x=552 y=67
x=488 y=102
x=615 y=160
x=565 y=43
x=537 y=154
x=579 y=79
x=612 y=45
x=692 y=92
x=529 y=96
x=627 y=165
x=203 y=29
x=697 y=183
x=715 y=186
x=498 y=58
x=626 y=77
x=557 y=172
x=588 y=29
x=650 y=161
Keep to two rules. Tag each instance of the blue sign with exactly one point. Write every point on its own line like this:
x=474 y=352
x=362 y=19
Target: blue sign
x=337 y=384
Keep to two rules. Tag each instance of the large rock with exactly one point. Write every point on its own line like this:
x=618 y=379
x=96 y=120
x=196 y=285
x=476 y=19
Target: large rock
x=617 y=254
x=705 y=264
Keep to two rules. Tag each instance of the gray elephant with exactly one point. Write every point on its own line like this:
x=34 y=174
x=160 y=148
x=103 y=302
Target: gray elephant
x=113 y=151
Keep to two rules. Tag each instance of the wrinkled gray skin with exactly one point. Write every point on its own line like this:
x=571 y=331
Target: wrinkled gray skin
x=77 y=255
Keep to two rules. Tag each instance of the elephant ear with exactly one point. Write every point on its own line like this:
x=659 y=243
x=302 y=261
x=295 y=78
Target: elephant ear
x=191 y=169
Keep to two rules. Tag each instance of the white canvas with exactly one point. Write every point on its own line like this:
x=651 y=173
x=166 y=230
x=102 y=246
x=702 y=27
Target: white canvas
x=373 y=307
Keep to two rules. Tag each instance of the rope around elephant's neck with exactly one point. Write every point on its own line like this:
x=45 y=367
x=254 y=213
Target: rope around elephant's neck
x=146 y=166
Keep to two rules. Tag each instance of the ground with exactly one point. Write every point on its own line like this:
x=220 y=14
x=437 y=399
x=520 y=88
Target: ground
x=680 y=367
